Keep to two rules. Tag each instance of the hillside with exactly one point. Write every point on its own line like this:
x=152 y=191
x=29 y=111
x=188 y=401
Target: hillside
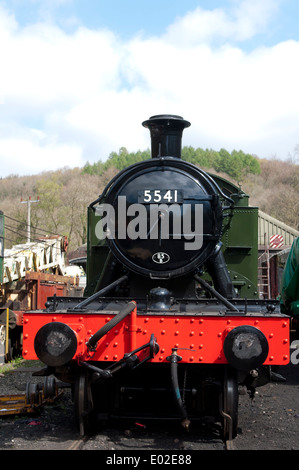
x=64 y=195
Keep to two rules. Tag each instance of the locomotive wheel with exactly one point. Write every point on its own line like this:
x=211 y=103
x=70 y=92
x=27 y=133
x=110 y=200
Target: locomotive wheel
x=230 y=403
x=49 y=387
x=84 y=409
x=32 y=393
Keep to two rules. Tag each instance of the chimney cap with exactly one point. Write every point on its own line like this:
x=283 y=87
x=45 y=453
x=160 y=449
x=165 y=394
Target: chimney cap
x=166 y=119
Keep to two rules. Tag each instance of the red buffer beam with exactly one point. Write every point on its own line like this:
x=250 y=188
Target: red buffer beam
x=200 y=338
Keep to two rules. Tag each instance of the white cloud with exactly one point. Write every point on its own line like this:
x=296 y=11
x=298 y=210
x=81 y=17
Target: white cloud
x=241 y=22
x=20 y=155
x=69 y=98
x=46 y=65
x=252 y=17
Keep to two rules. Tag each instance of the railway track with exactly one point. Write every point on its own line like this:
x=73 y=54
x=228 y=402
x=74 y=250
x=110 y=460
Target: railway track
x=78 y=444
x=131 y=437
x=91 y=444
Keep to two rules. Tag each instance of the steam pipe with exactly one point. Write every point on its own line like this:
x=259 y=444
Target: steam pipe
x=217 y=268
x=174 y=358
x=111 y=324
x=220 y=297
x=101 y=292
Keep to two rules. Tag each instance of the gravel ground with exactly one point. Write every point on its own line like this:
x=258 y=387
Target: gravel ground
x=269 y=422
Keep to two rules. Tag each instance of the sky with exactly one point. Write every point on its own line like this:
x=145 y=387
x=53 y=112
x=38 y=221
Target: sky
x=78 y=78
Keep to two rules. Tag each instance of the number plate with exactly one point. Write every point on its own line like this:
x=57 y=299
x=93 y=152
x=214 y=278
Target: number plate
x=160 y=196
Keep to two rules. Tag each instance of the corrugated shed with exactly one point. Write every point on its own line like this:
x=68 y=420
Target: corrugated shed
x=270 y=226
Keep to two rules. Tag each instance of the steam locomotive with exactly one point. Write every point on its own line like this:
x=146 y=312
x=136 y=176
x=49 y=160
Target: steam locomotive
x=171 y=322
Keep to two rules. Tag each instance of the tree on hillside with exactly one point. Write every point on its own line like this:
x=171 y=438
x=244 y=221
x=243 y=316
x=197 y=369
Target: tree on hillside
x=275 y=190
x=119 y=160
x=49 y=191
x=237 y=164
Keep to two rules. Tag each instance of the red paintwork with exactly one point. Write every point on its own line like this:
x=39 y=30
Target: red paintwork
x=202 y=336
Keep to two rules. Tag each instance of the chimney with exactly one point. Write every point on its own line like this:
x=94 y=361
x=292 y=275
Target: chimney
x=166 y=134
